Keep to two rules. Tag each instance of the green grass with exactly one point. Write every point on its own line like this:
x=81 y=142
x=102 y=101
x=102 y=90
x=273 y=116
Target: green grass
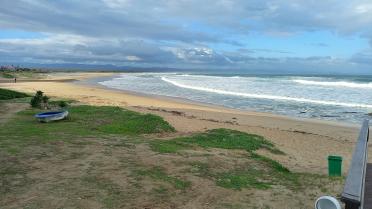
x=168 y=146
x=83 y=121
x=216 y=138
x=6 y=75
x=6 y=94
x=22 y=74
x=271 y=163
x=57 y=102
x=261 y=173
x=243 y=179
x=158 y=173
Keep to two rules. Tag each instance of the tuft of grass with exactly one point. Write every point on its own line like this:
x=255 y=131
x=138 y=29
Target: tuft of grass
x=6 y=94
x=134 y=123
x=216 y=138
x=83 y=121
x=168 y=146
x=254 y=175
x=262 y=173
x=158 y=173
x=244 y=179
x=271 y=163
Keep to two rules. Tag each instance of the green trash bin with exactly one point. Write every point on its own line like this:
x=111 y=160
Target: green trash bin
x=334 y=165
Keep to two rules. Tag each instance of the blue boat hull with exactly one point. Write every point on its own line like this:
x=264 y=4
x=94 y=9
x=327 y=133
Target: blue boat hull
x=51 y=116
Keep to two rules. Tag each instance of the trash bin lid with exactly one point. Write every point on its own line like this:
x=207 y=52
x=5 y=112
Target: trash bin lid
x=334 y=157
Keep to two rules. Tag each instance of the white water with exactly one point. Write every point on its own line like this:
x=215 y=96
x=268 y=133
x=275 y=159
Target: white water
x=333 y=98
x=335 y=84
x=264 y=96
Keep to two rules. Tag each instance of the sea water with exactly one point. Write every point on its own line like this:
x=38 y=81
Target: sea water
x=341 y=98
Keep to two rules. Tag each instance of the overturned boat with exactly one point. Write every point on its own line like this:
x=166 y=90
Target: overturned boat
x=52 y=116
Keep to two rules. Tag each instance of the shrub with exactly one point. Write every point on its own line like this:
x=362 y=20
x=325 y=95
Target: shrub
x=62 y=104
x=39 y=100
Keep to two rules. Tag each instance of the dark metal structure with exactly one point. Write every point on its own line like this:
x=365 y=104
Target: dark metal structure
x=359 y=177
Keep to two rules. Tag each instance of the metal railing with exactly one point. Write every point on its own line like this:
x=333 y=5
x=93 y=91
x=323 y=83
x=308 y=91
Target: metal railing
x=353 y=194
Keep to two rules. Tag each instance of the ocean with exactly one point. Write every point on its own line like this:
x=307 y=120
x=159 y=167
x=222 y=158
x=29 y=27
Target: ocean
x=337 y=98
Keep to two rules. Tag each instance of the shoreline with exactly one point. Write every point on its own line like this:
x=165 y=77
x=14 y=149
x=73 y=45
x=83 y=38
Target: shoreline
x=306 y=142
x=84 y=79
x=216 y=107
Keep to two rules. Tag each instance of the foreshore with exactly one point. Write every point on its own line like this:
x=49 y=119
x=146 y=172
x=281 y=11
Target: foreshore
x=306 y=142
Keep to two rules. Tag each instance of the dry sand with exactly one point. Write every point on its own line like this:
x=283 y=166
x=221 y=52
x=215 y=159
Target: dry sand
x=307 y=143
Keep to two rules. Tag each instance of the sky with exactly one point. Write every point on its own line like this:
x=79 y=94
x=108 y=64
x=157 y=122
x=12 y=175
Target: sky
x=298 y=36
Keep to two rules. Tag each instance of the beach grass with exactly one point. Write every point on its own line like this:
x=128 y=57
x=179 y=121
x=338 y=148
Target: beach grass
x=260 y=173
x=83 y=121
x=6 y=94
x=158 y=173
x=257 y=174
x=216 y=138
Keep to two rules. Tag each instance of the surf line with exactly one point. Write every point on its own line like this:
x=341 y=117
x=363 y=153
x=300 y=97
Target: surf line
x=263 y=96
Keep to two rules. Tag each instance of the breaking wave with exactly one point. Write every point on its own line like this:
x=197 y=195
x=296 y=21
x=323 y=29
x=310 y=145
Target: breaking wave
x=335 y=84
x=264 y=96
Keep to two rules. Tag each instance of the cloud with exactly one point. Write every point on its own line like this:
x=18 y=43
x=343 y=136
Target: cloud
x=94 y=19
x=364 y=57
x=178 y=33
x=83 y=50
x=319 y=44
x=272 y=51
x=173 y=20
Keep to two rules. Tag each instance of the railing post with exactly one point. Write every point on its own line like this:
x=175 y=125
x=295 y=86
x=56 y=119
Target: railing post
x=353 y=194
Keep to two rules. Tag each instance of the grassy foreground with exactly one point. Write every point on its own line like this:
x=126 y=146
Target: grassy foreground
x=84 y=121
x=109 y=157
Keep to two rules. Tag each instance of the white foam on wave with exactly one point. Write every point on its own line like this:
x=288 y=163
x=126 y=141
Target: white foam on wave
x=265 y=96
x=335 y=83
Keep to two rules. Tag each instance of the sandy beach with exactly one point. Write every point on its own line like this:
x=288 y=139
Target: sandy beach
x=307 y=143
